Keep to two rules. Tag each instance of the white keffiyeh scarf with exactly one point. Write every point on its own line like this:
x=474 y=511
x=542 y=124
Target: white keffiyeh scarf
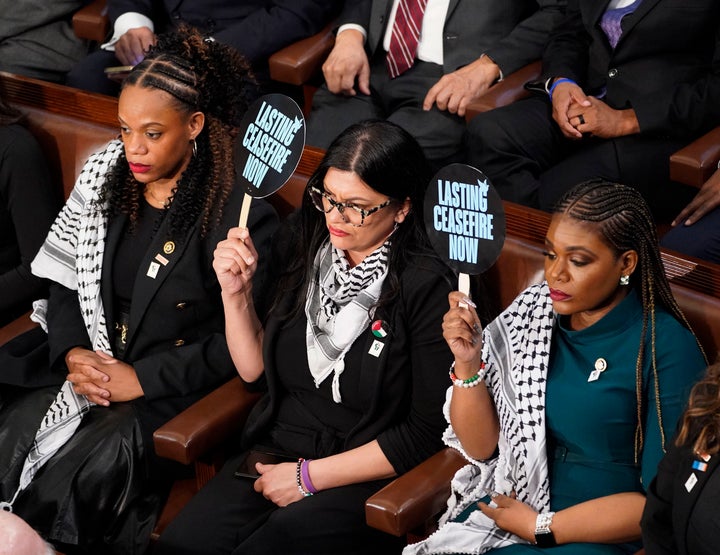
x=337 y=308
x=516 y=349
x=72 y=256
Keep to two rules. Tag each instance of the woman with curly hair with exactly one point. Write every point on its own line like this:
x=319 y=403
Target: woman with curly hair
x=134 y=316
x=681 y=513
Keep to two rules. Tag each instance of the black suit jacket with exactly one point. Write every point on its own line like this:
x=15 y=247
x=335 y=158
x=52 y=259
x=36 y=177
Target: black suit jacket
x=666 y=65
x=256 y=28
x=176 y=341
x=677 y=521
x=512 y=32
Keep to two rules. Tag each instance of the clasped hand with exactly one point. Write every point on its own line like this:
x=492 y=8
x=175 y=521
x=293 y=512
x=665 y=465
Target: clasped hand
x=101 y=377
x=132 y=46
x=580 y=115
x=278 y=483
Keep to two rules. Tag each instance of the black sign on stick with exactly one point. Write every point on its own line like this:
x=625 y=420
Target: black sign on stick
x=465 y=218
x=268 y=147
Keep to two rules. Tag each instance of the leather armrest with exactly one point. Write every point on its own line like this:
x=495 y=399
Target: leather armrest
x=415 y=497
x=18 y=326
x=695 y=163
x=91 y=22
x=299 y=62
x=205 y=424
x=505 y=92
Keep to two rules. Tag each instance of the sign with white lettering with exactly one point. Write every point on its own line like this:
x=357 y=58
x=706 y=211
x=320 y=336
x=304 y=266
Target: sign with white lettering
x=464 y=218
x=269 y=144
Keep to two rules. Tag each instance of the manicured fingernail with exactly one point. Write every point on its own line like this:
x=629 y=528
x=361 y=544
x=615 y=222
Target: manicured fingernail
x=467 y=301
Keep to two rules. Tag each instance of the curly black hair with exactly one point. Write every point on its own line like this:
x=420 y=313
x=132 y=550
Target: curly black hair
x=201 y=75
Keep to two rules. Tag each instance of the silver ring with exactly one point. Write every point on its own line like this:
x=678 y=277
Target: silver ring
x=581 y=119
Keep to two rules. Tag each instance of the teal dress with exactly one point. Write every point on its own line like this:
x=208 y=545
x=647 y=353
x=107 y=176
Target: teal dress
x=591 y=424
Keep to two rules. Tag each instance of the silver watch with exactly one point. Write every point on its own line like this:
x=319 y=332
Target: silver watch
x=543 y=535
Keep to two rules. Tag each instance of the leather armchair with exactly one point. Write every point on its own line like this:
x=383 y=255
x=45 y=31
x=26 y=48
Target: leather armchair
x=507 y=91
x=300 y=63
x=695 y=163
x=91 y=22
x=196 y=436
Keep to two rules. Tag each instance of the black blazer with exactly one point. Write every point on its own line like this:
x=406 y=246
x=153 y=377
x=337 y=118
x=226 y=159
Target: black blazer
x=176 y=341
x=677 y=521
x=666 y=65
x=512 y=32
x=256 y=28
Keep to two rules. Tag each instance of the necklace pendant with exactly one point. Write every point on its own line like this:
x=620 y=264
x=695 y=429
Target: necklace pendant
x=600 y=367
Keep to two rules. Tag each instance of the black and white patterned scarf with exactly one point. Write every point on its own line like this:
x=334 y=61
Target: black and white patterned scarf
x=337 y=308
x=72 y=256
x=517 y=351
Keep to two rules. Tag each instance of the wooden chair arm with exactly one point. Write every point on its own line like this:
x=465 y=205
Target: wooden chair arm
x=91 y=22
x=18 y=326
x=505 y=92
x=695 y=163
x=298 y=63
x=205 y=424
x=416 y=497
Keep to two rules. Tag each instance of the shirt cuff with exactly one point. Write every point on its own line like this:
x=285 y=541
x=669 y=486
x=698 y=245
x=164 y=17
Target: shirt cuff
x=352 y=26
x=127 y=21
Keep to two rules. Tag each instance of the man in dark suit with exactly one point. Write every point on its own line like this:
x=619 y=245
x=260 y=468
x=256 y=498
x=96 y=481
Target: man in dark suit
x=464 y=47
x=625 y=84
x=256 y=28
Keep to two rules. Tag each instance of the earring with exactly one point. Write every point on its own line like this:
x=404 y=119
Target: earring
x=624 y=280
x=194 y=147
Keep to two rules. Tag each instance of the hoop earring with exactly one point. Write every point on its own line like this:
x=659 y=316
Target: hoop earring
x=194 y=147
x=624 y=280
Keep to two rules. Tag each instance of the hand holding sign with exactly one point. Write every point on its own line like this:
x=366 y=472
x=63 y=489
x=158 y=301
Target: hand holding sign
x=268 y=147
x=465 y=220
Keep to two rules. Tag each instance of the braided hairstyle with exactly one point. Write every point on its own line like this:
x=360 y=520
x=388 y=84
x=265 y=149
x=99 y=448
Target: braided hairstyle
x=200 y=75
x=700 y=423
x=624 y=222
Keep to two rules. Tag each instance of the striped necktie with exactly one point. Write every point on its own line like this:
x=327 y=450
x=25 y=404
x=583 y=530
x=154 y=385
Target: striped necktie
x=405 y=35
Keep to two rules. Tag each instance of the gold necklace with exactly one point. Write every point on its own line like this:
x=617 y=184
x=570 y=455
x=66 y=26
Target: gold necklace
x=163 y=202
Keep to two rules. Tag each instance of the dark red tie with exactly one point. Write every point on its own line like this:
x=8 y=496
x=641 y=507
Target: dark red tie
x=405 y=35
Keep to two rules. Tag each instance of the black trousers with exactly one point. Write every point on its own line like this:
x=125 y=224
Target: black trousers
x=229 y=516
x=521 y=149
x=398 y=100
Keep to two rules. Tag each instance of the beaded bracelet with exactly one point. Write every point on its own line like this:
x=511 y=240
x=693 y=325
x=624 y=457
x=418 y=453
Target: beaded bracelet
x=556 y=83
x=298 y=479
x=472 y=381
x=305 y=473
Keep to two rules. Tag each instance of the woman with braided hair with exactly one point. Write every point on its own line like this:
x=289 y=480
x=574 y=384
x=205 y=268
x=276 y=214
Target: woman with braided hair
x=134 y=316
x=564 y=404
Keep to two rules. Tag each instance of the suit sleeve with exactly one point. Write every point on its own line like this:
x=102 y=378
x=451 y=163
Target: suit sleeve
x=566 y=54
x=657 y=527
x=206 y=363
x=66 y=328
x=118 y=7
x=419 y=435
x=267 y=30
x=27 y=191
x=528 y=40
x=357 y=12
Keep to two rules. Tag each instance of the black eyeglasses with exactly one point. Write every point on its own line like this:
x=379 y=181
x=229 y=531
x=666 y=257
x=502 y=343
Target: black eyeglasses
x=351 y=214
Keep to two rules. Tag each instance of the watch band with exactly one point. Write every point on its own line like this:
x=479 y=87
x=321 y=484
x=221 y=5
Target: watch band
x=543 y=535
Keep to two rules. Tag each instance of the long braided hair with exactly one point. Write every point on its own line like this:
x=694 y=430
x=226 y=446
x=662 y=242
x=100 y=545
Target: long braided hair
x=200 y=75
x=623 y=220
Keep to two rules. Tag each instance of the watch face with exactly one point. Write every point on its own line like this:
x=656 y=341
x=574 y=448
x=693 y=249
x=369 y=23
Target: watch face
x=545 y=538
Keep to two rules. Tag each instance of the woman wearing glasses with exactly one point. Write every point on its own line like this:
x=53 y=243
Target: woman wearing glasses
x=351 y=354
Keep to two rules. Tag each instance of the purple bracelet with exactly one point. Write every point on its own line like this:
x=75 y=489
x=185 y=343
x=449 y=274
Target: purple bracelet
x=305 y=470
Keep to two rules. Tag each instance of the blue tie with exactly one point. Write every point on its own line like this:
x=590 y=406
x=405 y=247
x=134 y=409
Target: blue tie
x=611 y=19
